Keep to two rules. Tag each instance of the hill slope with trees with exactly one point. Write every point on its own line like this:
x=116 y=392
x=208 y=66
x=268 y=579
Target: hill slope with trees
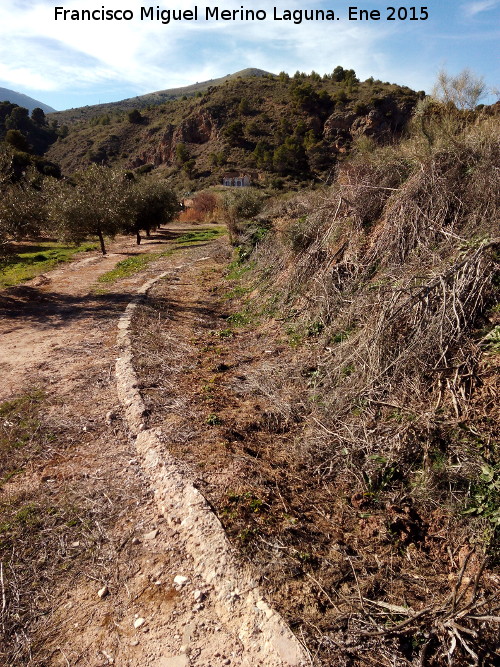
x=150 y=99
x=282 y=127
x=22 y=100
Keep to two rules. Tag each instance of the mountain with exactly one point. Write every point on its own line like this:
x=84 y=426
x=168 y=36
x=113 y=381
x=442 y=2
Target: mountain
x=152 y=99
x=296 y=128
x=29 y=103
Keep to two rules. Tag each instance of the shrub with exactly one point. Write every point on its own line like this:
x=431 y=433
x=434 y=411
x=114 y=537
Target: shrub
x=463 y=90
x=237 y=206
x=135 y=116
x=17 y=140
x=234 y=133
x=182 y=153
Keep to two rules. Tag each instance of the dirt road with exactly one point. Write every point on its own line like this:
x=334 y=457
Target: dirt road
x=130 y=590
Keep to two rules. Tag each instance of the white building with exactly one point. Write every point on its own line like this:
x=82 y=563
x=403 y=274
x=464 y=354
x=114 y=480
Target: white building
x=237 y=179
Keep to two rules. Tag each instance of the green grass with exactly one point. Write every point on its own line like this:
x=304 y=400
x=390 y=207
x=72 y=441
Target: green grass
x=239 y=319
x=201 y=235
x=132 y=265
x=128 y=267
x=236 y=270
x=46 y=256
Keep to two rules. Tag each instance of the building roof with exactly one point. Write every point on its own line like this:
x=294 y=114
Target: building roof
x=238 y=174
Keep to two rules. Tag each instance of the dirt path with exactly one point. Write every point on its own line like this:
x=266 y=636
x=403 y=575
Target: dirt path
x=114 y=598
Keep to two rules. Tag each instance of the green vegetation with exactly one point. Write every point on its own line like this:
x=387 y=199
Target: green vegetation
x=128 y=267
x=213 y=420
x=29 y=134
x=98 y=201
x=295 y=128
x=132 y=265
x=191 y=238
x=22 y=266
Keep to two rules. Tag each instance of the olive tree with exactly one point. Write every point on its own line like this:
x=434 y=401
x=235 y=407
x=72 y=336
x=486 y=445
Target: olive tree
x=91 y=204
x=22 y=201
x=148 y=204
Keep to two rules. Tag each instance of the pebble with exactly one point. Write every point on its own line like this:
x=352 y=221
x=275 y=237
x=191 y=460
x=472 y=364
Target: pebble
x=152 y=534
x=108 y=657
x=180 y=580
x=198 y=596
x=138 y=622
x=102 y=592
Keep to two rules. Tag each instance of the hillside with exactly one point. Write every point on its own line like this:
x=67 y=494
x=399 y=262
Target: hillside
x=306 y=370
x=21 y=100
x=340 y=402
x=150 y=99
x=282 y=127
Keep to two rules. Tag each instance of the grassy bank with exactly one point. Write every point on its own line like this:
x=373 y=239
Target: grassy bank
x=31 y=260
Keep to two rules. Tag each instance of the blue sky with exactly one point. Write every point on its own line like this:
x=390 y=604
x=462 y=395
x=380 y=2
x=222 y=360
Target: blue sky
x=74 y=63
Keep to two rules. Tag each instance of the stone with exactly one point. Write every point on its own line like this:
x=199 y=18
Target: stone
x=139 y=622
x=174 y=661
x=180 y=580
x=102 y=592
x=152 y=535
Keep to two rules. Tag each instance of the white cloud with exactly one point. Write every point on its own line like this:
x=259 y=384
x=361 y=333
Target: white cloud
x=87 y=61
x=40 y=52
x=472 y=8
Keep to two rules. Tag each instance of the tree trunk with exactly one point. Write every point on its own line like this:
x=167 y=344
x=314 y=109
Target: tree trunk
x=138 y=236
x=101 y=241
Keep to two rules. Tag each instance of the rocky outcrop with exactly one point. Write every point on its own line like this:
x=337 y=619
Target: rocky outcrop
x=196 y=129
x=386 y=117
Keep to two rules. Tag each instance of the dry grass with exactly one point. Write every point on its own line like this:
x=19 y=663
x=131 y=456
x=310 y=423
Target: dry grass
x=56 y=519
x=388 y=282
x=346 y=432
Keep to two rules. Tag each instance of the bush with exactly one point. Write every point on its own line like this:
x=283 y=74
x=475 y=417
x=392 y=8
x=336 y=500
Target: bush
x=17 y=140
x=135 y=116
x=182 y=153
x=237 y=206
x=463 y=90
x=234 y=133
x=147 y=204
x=144 y=169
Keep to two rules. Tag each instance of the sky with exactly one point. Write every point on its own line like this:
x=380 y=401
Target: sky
x=69 y=63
